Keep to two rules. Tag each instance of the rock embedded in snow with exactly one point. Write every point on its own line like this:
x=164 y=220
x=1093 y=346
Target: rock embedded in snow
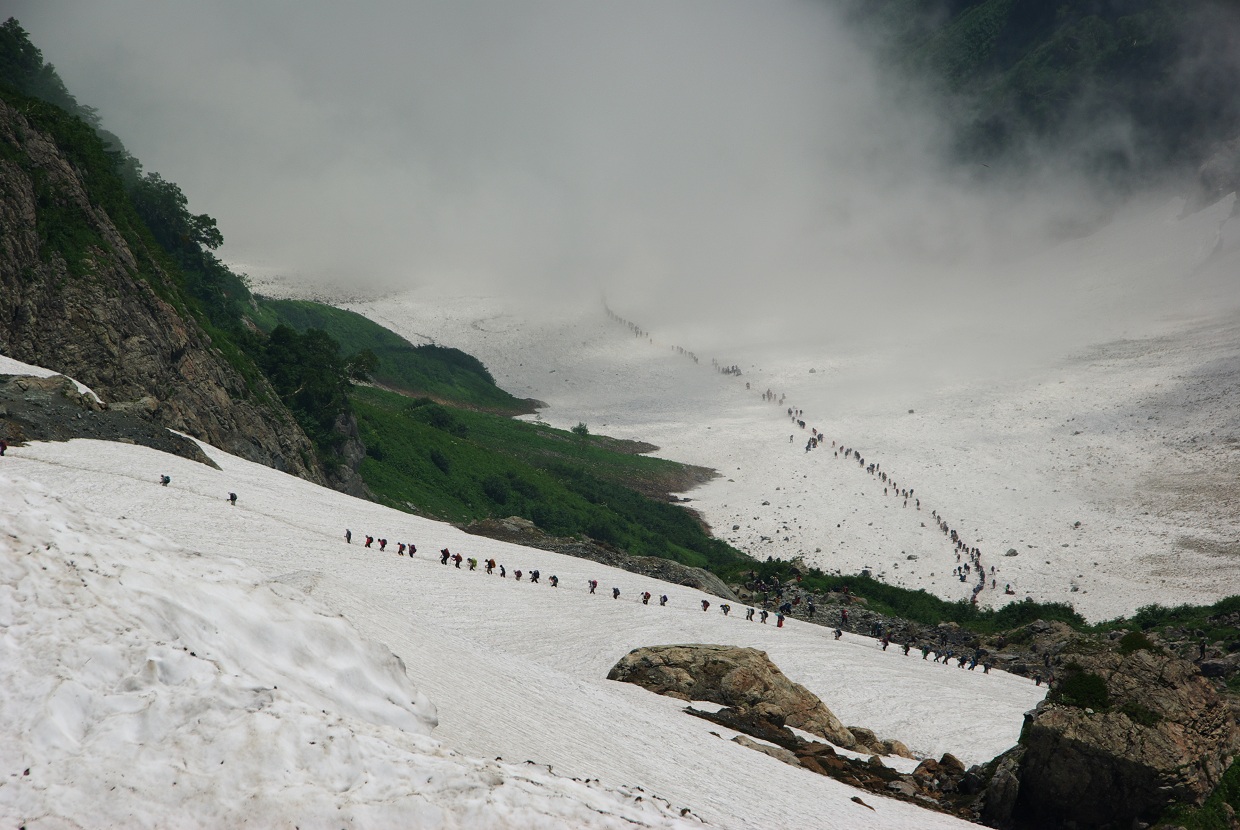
x=744 y=678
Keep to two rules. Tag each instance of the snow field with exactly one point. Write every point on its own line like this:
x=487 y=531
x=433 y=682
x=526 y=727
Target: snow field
x=147 y=686
x=517 y=670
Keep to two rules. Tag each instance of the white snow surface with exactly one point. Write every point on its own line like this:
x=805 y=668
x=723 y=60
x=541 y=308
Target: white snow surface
x=155 y=631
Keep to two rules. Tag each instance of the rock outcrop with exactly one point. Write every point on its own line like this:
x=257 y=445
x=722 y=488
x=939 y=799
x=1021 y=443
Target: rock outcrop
x=52 y=409
x=1119 y=739
x=743 y=678
x=107 y=316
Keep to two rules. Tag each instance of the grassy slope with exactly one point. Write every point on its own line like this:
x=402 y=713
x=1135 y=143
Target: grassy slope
x=443 y=374
x=462 y=465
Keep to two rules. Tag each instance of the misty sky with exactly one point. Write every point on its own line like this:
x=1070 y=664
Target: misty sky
x=731 y=159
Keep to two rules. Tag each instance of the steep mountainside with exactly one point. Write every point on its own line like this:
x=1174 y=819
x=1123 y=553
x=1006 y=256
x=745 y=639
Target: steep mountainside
x=82 y=291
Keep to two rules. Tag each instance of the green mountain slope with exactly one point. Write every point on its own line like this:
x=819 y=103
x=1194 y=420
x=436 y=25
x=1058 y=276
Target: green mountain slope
x=444 y=374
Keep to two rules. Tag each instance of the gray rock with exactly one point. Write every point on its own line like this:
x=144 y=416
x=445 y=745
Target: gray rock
x=776 y=752
x=743 y=678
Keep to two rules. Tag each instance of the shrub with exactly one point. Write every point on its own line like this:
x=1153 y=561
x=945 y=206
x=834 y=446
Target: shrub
x=1135 y=641
x=1082 y=689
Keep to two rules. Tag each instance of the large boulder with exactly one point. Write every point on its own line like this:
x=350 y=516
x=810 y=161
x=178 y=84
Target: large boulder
x=744 y=678
x=1119 y=739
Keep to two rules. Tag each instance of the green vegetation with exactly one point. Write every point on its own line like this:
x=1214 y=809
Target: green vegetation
x=462 y=465
x=444 y=374
x=916 y=606
x=1129 y=87
x=1135 y=641
x=1082 y=689
x=1212 y=814
x=1217 y=622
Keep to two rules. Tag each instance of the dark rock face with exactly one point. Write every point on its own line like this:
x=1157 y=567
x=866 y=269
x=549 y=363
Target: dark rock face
x=1161 y=734
x=744 y=678
x=104 y=325
x=52 y=409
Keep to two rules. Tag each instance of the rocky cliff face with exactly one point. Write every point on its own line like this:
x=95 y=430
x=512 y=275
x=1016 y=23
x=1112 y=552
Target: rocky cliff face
x=1122 y=737
x=103 y=324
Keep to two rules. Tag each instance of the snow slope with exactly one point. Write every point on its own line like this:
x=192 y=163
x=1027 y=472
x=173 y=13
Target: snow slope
x=149 y=686
x=515 y=670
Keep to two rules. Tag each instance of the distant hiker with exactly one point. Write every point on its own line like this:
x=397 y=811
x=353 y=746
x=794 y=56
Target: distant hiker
x=517 y=574
x=593 y=583
x=810 y=609
x=749 y=614
x=779 y=620
x=645 y=597
x=838 y=633
x=906 y=648
x=503 y=574
x=383 y=544
x=412 y=548
x=443 y=554
x=843 y=617
x=886 y=641
x=925 y=651
x=615 y=593
x=555 y=581
x=490 y=566
x=4 y=446
x=232 y=499
x=725 y=608
x=400 y=548
x=369 y=539
x=457 y=559
x=705 y=604
x=348 y=536
x=165 y=480
x=533 y=576
x=762 y=615
x=473 y=564
x=663 y=600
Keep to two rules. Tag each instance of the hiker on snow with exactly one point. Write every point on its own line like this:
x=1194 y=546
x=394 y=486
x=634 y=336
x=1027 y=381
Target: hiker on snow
x=593 y=583
x=165 y=480
x=443 y=555
x=645 y=597
x=348 y=536
x=232 y=499
x=663 y=600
